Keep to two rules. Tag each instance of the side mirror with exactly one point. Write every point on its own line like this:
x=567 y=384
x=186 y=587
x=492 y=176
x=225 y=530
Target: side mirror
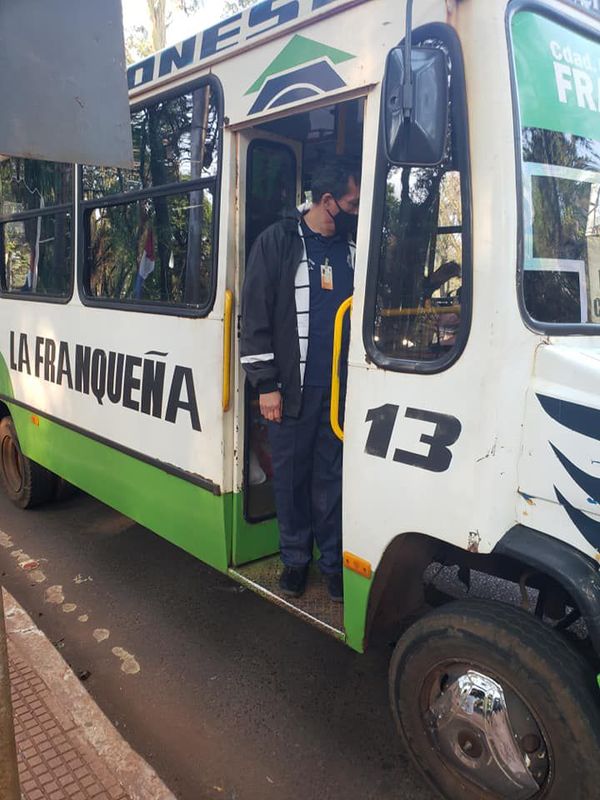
x=415 y=127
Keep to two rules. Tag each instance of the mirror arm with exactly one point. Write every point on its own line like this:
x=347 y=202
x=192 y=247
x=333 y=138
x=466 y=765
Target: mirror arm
x=408 y=88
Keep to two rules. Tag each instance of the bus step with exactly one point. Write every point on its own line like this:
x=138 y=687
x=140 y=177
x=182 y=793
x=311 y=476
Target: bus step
x=315 y=605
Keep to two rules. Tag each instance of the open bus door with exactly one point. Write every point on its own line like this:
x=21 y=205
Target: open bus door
x=270 y=169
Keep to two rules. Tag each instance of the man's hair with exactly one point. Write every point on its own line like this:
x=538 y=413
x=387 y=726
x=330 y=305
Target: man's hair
x=332 y=175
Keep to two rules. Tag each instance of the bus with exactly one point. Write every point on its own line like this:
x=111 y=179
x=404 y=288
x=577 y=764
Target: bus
x=471 y=423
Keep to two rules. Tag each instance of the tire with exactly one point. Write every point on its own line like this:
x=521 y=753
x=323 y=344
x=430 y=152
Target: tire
x=538 y=671
x=27 y=484
x=63 y=490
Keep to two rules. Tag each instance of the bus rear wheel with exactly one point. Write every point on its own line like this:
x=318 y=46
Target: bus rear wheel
x=491 y=703
x=27 y=484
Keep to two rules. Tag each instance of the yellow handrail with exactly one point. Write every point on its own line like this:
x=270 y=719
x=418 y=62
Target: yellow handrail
x=227 y=318
x=410 y=312
x=334 y=408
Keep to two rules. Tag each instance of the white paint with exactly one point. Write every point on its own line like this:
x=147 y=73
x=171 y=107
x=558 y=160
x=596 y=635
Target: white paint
x=5 y=540
x=21 y=556
x=68 y=608
x=100 y=634
x=81 y=579
x=54 y=594
x=129 y=665
x=83 y=618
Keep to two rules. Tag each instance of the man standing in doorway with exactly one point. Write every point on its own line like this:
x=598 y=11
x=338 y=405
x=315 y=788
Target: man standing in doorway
x=299 y=272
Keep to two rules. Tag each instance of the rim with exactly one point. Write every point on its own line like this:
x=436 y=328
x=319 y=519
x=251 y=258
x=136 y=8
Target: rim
x=12 y=465
x=485 y=732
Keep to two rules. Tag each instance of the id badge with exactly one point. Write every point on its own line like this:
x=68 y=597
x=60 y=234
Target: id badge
x=327 y=276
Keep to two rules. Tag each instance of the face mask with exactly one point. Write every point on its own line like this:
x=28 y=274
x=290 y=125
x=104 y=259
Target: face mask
x=345 y=223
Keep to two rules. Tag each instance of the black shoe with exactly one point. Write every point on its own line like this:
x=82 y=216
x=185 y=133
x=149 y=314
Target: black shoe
x=335 y=586
x=292 y=581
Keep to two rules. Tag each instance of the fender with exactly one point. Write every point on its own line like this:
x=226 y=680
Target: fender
x=575 y=572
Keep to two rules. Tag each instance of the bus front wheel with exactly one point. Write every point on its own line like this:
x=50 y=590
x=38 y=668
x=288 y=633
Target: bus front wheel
x=27 y=484
x=492 y=703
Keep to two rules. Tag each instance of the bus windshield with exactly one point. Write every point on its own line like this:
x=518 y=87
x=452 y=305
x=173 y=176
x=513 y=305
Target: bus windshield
x=557 y=73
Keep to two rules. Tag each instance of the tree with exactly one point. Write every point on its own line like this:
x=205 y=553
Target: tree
x=141 y=42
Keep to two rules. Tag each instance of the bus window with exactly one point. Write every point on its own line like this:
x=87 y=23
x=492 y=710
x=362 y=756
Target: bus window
x=149 y=232
x=420 y=272
x=420 y=268
x=35 y=228
x=560 y=171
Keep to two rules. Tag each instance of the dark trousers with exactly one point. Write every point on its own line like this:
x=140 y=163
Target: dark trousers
x=307 y=467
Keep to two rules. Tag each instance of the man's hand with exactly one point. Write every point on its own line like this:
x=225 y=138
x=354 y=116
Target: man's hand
x=271 y=405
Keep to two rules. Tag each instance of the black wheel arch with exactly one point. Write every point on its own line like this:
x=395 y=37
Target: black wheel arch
x=575 y=572
x=397 y=597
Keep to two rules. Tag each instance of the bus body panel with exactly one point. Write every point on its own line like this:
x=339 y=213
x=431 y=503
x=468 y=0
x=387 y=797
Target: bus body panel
x=452 y=463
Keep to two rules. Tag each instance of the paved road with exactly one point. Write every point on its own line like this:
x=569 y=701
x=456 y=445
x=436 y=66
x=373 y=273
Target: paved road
x=225 y=695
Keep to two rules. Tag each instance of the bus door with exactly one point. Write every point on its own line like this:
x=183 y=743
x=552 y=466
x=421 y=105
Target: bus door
x=411 y=383
x=269 y=184
x=277 y=160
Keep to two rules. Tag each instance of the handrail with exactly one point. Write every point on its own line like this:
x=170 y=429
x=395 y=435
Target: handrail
x=227 y=320
x=437 y=311
x=338 y=329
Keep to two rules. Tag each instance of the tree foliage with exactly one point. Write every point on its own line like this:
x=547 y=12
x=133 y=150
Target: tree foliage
x=175 y=142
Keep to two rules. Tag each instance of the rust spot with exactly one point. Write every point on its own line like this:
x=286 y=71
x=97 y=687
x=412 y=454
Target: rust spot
x=529 y=499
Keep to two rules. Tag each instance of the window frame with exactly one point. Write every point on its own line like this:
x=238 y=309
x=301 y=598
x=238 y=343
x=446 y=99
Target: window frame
x=47 y=211
x=445 y=33
x=85 y=208
x=567 y=17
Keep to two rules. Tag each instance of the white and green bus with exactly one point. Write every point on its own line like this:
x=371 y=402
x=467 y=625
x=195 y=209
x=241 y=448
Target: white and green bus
x=471 y=424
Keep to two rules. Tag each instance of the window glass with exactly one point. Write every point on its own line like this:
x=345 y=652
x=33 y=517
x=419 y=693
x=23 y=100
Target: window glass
x=26 y=184
x=153 y=250
x=144 y=246
x=420 y=265
x=271 y=186
x=419 y=305
x=174 y=140
x=36 y=255
x=560 y=168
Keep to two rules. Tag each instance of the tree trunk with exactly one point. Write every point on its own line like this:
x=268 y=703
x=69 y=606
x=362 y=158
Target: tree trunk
x=193 y=290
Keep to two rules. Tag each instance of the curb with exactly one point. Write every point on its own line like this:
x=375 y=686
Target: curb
x=136 y=776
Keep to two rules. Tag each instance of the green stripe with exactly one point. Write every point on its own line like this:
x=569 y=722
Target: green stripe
x=5 y=381
x=299 y=50
x=252 y=541
x=356 y=602
x=181 y=512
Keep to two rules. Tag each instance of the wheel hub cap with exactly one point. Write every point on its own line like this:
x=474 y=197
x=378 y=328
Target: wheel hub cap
x=471 y=725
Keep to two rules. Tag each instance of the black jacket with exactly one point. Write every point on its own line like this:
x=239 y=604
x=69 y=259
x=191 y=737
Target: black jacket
x=269 y=347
